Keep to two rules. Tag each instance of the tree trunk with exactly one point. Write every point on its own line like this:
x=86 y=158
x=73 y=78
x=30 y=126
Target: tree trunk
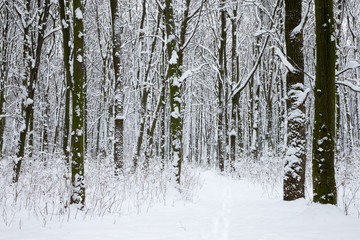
x=3 y=76
x=119 y=94
x=65 y=27
x=235 y=99
x=295 y=159
x=30 y=77
x=221 y=81
x=324 y=126
x=77 y=139
x=172 y=76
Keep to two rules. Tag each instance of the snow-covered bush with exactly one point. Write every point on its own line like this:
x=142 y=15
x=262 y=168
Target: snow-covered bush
x=43 y=191
x=267 y=171
x=348 y=182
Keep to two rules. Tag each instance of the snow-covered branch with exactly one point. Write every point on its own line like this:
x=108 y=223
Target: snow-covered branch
x=242 y=84
x=350 y=65
x=349 y=85
x=51 y=32
x=299 y=28
x=284 y=60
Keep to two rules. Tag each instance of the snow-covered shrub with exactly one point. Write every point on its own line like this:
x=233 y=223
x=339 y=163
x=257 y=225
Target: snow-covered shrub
x=190 y=182
x=267 y=171
x=348 y=182
x=44 y=189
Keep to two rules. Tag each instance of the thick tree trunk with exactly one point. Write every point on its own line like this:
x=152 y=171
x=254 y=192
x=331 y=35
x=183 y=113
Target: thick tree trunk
x=324 y=126
x=65 y=27
x=295 y=159
x=119 y=94
x=77 y=139
x=172 y=76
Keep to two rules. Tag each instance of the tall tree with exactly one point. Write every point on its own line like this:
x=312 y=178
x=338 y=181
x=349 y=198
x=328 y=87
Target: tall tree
x=77 y=139
x=324 y=122
x=235 y=130
x=172 y=76
x=119 y=94
x=5 y=22
x=295 y=159
x=221 y=83
x=66 y=30
x=34 y=37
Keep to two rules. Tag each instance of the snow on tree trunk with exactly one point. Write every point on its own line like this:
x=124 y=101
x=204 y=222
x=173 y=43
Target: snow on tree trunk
x=65 y=27
x=295 y=158
x=234 y=128
x=221 y=82
x=175 y=94
x=33 y=42
x=324 y=123
x=3 y=74
x=77 y=139
x=119 y=94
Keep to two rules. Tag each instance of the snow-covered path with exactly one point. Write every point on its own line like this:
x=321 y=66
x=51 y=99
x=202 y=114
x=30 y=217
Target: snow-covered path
x=224 y=209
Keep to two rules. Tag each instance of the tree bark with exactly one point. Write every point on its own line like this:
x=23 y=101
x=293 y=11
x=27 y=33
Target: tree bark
x=234 y=131
x=172 y=76
x=221 y=81
x=65 y=27
x=3 y=76
x=324 y=126
x=119 y=94
x=295 y=159
x=77 y=139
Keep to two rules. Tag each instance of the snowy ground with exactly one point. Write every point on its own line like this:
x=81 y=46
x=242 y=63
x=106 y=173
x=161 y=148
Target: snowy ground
x=222 y=209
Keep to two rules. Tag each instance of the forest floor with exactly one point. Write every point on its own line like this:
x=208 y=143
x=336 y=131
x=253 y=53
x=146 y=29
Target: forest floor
x=222 y=209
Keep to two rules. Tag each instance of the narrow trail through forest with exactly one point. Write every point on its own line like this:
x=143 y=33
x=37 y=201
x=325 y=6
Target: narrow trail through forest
x=223 y=209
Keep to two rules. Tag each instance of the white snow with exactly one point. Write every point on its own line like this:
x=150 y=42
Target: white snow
x=79 y=58
x=78 y=14
x=64 y=23
x=79 y=132
x=299 y=28
x=175 y=114
x=284 y=60
x=232 y=132
x=176 y=82
x=260 y=32
x=223 y=209
x=174 y=57
x=350 y=65
x=28 y=102
x=185 y=75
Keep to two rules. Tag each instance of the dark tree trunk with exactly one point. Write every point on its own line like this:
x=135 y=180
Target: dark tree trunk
x=175 y=103
x=295 y=159
x=65 y=26
x=77 y=139
x=221 y=81
x=234 y=130
x=324 y=126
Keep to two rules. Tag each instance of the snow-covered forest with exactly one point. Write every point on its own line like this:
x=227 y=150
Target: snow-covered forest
x=112 y=109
